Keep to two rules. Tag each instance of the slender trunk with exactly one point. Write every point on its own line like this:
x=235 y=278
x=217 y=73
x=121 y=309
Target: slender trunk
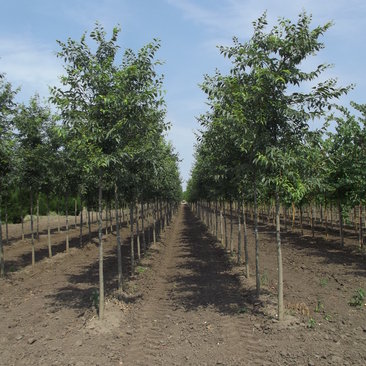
x=67 y=221
x=143 y=227
x=154 y=223
x=312 y=220
x=225 y=228
x=326 y=221
x=37 y=216
x=341 y=233
x=231 y=227
x=301 y=220
x=285 y=209
x=216 y=223
x=106 y=219
x=360 y=231
x=89 y=226
x=2 y=259
x=100 y=242
x=49 y=229
x=279 y=258
x=81 y=224
x=257 y=277
x=138 y=232
x=75 y=211
x=22 y=220
x=32 y=231
x=293 y=216
x=118 y=234
x=6 y=225
x=221 y=225
x=246 y=251
x=58 y=217
x=148 y=224
x=331 y=216
x=239 y=230
x=132 y=241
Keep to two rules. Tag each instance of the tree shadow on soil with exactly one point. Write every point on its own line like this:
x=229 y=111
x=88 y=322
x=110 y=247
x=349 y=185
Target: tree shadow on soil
x=83 y=289
x=205 y=276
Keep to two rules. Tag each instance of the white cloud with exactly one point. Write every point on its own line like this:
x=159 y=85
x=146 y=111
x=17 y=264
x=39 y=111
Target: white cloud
x=28 y=64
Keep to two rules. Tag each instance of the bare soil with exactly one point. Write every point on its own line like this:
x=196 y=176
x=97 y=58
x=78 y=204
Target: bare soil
x=188 y=304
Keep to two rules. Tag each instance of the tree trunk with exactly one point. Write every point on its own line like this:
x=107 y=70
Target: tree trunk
x=67 y=221
x=89 y=226
x=360 y=231
x=137 y=232
x=38 y=216
x=6 y=225
x=279 y=258
x=246 y=252
x=256 y=239
x=100 y=242
x=132 y=241
x=32 y=231
x=81 y=224
x=225 y=229
x=293 y=216
x=118 y=234
x=75 y=211
x=301 y=220
x=22 y=221
x=231 y=227
x=312 y=221
x=341 y=233
x=2 y=259
x=58 y=217
x=143 y=227
x=221 y=225
x=239 y=231
x=49 y=229
x=154 y=222
x=216 y=222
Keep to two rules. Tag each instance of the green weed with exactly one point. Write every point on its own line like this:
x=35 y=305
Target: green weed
x=140 y=269
x=264 y=279
x=311 y=323
x=328 y=317
x=323 y=282
x=357 y=300
x=95 y=299
x=319 y=307
x=243 y=310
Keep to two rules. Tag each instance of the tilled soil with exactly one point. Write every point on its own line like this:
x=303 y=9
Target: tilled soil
x=188 y=304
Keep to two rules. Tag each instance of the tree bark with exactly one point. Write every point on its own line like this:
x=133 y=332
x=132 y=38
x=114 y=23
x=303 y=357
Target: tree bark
x=246 y=251
x=49 y=229
x=89 y=226
x=32 y=231
x=239 y=231
x=360 y=231
x=6 y=225
x=2 y=259
x=67 y=221
x=38 y=216
x=22 y=220
x=231 y=227
x=118 y=234
x=137 y=232
x=279 y=258
x=143 y=227
x=341 y=233
x=225 y=229
x=132 y=241
x=75 y=210
x=100 y=242
x=81 y=224
x=256 y=239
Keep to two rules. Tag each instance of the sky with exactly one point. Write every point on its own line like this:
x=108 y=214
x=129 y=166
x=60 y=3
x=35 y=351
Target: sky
x=189 y=32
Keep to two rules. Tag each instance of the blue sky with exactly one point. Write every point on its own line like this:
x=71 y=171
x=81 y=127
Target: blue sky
x=189 y=32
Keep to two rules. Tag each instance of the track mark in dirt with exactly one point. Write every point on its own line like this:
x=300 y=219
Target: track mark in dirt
x=192 y=313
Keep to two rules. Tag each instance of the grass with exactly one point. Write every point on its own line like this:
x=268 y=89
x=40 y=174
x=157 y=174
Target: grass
x=323 y=281
x=140 y=269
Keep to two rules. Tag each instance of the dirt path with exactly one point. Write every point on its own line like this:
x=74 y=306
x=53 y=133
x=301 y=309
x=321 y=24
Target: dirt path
x=191 y=315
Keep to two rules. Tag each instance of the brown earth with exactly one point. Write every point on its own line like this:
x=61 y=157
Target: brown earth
x=188 y=304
